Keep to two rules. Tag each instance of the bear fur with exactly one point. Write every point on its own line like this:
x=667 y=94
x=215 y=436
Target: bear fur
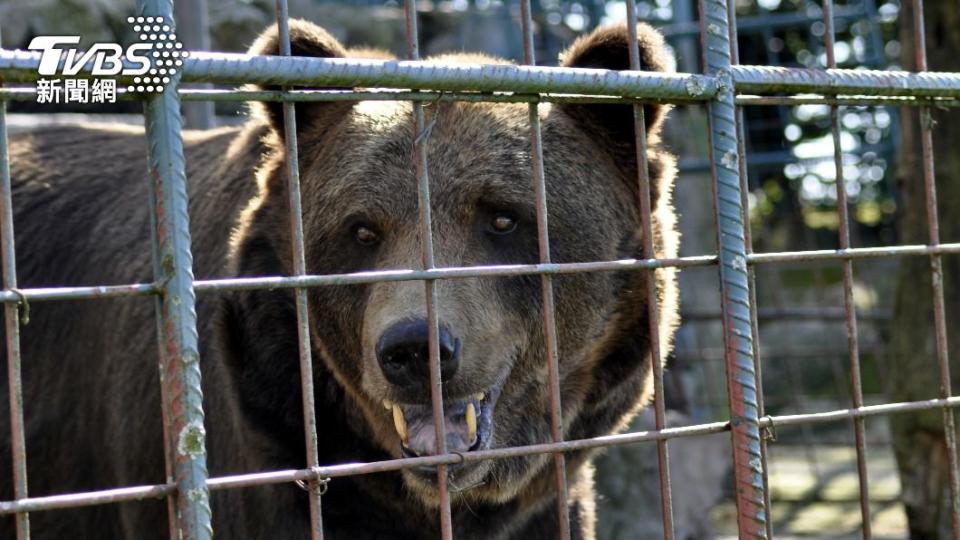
x=90 y=377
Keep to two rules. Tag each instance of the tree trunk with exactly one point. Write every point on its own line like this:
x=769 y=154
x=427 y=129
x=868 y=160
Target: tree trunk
x=918 y=439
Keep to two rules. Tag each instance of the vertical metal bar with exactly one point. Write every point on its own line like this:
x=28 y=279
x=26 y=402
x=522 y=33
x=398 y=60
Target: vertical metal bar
x=853 y=347
x=751 y=271
x=546 y=284
x=194 y=33
x=169 y=448
x=300 y=269
x=173 y=530
x=11 y=312
x=653 y=313
x=936 y=270
x=180 y=371
x=735 y=301
x=420 y=142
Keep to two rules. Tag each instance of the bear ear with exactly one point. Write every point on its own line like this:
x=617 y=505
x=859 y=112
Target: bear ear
x=306 y=39
x=608 y=48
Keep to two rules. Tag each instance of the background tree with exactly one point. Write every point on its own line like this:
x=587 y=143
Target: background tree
x=919 y=441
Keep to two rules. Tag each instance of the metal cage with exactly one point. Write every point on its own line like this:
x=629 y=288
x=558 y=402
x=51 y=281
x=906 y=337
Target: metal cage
x=724 y=86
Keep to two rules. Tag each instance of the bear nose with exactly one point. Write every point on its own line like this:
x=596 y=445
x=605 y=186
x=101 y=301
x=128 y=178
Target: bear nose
x=404 y=354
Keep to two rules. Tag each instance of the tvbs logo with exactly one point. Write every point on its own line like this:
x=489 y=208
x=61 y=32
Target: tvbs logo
x=152 y=62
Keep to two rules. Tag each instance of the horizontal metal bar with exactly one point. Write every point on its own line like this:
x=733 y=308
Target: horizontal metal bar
x=450 y=273
x=852 y=253
x=230 y=68
x=226 y=95
x=894 y=101
x=41 y=294
x=769 y=79
x=87 y=498
x=791 y=313
x=861 y=412
x=226 y=68
x=25 y=93
x=44 y=294
x=36 y=504
x=401 y=95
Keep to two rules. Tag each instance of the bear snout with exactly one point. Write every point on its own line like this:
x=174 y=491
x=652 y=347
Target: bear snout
x=403 y=352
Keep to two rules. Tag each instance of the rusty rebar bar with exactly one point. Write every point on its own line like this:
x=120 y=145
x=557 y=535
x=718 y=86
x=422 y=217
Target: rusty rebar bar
x=735 y=297
x=136 y=493
x=11 y=312
x=181 y=393
x=23 y=93
x=936 y=273
x=853 y=344
x=304 y=348
x=420 y=141
x=652 y=298
x=546 y=283
x=751 y=270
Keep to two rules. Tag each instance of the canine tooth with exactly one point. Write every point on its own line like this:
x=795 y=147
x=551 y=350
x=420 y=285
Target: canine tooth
x=387 y=405
x=471 y=417
x=479 y=396
x=400 y=423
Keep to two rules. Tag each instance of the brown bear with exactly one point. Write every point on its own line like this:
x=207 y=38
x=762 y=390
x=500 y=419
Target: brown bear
x=90 y=380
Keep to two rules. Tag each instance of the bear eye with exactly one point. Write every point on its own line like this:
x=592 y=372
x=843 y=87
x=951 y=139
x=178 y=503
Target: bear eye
x=365 y=235
x=503 y=223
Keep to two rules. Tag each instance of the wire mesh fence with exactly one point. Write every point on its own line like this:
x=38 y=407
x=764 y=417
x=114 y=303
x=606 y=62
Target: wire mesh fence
x=724 y=86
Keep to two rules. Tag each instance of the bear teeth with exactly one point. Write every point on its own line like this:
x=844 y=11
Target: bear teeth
x=400 y=423
x=471 y=418
x=387 y=404
x=479 y=396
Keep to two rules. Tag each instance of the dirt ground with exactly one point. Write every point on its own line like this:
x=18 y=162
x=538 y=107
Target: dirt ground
x=805 y=506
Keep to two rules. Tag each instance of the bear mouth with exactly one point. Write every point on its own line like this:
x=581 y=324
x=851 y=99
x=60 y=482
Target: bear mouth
x=468 y=425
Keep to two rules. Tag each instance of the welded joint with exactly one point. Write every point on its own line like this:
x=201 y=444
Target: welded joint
x=926 y=119
x=767 y=429
x=723 y=80
x=318 y=485
x=24 y=305
x=427 y=131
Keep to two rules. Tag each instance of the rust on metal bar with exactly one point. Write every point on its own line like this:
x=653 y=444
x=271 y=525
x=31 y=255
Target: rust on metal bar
x=853 y=346
x=936 y=271
x=304 y=349
x=751 y=270
x=789 y=101
x=533 y=85
x=791 y=313
x=135 y=493
x=11 y=312
x=23 y=93
x=48 y=294
x=43 y=294
x=653 y=309
x=734 y=283
x=853 y=253
x=180 y=386
x=546 y=283
x=420 y=141
x=229 y=68
x=770 y=79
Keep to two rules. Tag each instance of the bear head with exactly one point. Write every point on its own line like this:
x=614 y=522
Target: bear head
x=361 y=213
